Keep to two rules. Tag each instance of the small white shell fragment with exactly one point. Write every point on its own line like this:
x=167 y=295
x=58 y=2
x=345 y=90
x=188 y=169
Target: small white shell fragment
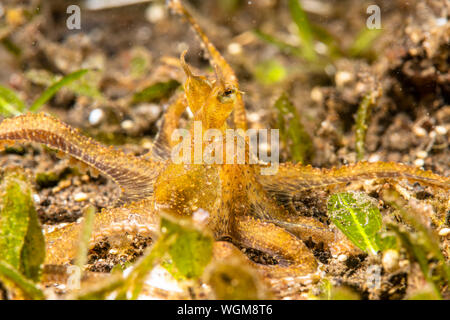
x=36 y=198
x=422 y=154
x=155 y=13
x=419 y=162
x=342 y=257
x=96 y=116
x=150 y=111
x=374 y=157
x=127 y=124
x=343 y=77
x=444 y=232
x=80 y=196
x=320 y=48
x=441 y=21
x=254 y=117
x=390 y=260
x=441 y=130
x=317 y=95
x=419 y=131
x=234 y=48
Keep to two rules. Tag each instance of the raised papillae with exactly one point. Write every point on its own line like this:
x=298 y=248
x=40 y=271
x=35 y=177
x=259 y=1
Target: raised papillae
x=245 y=206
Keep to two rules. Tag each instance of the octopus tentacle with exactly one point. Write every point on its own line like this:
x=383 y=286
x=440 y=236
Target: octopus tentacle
x=134 y=175
x=291 y=253
x=114 y=225
x=170 y=122
x=291 y=179
x=217 y=60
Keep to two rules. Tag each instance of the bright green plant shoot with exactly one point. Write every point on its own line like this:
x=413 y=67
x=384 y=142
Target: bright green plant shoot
x=362 y=119
x=304 y=30
x=182 y=248
x=292 y=132
x=22 y=244
x=12 y=105
x=355 y=214
x=309 y=34
x=190 y=250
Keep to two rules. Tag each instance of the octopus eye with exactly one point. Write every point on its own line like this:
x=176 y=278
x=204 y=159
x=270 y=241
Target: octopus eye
x=228 y=92
x=227 y=96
